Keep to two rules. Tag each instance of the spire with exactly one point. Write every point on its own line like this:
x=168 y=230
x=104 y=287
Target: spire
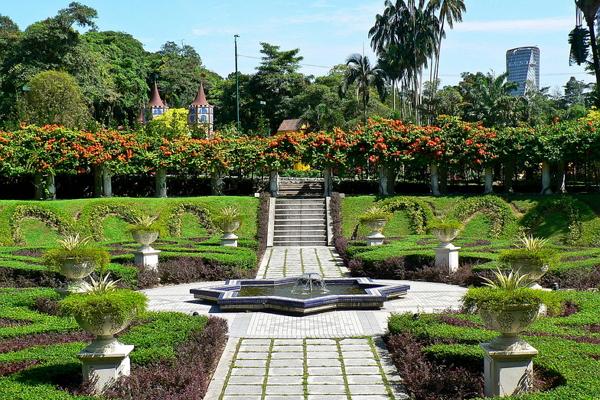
x=155 y=100
x=200 y=97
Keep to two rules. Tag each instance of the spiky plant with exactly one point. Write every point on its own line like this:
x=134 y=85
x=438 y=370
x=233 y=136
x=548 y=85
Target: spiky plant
x=511 y=281
x=103 y=285
x=532 y=243
x=72 y=242
x=145 y=221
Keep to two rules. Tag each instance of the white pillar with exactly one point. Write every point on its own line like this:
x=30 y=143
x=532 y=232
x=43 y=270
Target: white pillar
x=489 y=180
x=147 y=257
x=508 y=372
x=274 y=183
x=229 y=240
x=104 y=361
x=435 y=179
x=546 y=178
x=106 y=182
x=161 y=183
x=446 y=257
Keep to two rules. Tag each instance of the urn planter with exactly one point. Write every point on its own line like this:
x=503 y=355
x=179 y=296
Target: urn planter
x=146 y=256
x=76 y=270
x=508 y=360
x=533 y=268
x=376 y=237
x=446 y=254
x=229 y=238
x=509 y=321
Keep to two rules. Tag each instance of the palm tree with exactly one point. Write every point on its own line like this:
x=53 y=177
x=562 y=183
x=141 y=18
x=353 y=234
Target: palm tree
x=581 y=39
x=360 y=72
x=488 y=98
x=412 y=27
x=451 y=11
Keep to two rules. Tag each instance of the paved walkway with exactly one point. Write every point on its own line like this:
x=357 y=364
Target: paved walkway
x=280 y=262
x=299 y=369
x=327 y=356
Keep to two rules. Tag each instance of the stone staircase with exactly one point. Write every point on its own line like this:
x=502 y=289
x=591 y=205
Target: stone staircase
x=289 y=187
x=300 y=222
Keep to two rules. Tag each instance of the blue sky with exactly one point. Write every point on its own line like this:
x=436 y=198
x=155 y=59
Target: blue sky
x=327 y=31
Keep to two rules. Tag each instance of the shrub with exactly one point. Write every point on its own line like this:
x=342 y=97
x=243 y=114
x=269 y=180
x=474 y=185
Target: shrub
x=145 y=223
x=47 y=306
x=497 y=210
x=375 y=214
x=55 y=258
x=121 y=305
x=186 y=377
x=499 y=299
x=443 y=224
x=540 y=257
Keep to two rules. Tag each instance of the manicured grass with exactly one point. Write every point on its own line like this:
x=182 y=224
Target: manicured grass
x=156 y=336
x=79 y=214
x=197 y=235
x=568 y=347
x=554 y=222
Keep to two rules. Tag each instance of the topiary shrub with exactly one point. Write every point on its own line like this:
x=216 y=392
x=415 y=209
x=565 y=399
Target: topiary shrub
x=49 y=217
x=200 y=212
x=494 y=208
x=419 y=212
x=94 y=215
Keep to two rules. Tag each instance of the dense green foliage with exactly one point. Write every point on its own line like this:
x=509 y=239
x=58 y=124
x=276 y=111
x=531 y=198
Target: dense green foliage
x=120 y=306
x=567 y=346
x=155 y=335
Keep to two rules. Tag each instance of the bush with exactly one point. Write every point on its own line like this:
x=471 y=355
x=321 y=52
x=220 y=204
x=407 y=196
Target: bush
x=499 y=299
x=55 y=258
x=120 y=305
x=185 y=377
x=538 y=257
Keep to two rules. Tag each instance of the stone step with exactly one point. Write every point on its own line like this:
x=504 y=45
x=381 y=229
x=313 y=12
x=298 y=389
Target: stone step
x=296 y=206
x=299 y=243
x=302 y=233
x=299 y=202
x=302 y=216
x=298 y=224
x=289 y=227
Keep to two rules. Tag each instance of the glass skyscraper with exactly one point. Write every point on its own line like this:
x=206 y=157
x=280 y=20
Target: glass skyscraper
x=523 y=67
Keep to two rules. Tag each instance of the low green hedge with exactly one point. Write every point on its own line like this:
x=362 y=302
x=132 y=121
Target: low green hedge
x=155 y=335
x=567 y=347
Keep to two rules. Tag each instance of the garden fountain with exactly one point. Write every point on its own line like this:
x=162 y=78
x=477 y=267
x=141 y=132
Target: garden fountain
x=306 y=294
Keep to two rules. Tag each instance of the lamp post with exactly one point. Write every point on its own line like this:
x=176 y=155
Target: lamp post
x=237 y=83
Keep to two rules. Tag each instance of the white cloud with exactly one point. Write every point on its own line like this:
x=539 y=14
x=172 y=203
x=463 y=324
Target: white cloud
x=519 y=25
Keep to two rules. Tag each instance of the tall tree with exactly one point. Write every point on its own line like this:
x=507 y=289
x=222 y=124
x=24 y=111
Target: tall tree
x=412 y=26
x=487 y=99
x=276 y=82
x=360 y=72
x=55 y=98
x=581 y=39
x=450 y=11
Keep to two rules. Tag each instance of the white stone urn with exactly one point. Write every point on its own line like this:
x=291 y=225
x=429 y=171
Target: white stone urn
x=75 y=271
x=104 y=330
x=509 y=321
x=146 y=256
x=229 y=238
x=445 y=235
x=533 y=268
x=376 y=237
x=145 y=238
x=105 y=359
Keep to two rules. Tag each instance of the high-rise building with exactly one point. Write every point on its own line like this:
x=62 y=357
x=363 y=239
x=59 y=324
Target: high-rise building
x=523 y=67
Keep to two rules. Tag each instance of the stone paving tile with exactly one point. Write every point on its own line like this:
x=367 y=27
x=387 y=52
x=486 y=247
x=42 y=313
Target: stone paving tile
x=280 y=262
x=312 y=373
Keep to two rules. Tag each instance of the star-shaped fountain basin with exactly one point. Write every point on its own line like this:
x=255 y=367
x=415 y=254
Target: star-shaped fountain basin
x=301 y=295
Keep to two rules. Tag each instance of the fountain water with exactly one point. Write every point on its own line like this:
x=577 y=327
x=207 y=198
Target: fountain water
x=308 y=283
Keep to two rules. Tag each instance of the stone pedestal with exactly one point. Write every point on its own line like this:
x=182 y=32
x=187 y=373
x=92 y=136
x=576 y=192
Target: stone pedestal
x=446 y=257
x=375 y=239
x=104 y=361
x=229 y=240
x=147 y=257
x=508 y=372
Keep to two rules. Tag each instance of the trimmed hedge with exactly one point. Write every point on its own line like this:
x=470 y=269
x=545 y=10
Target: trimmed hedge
x=40 y=370
x=569 y=346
